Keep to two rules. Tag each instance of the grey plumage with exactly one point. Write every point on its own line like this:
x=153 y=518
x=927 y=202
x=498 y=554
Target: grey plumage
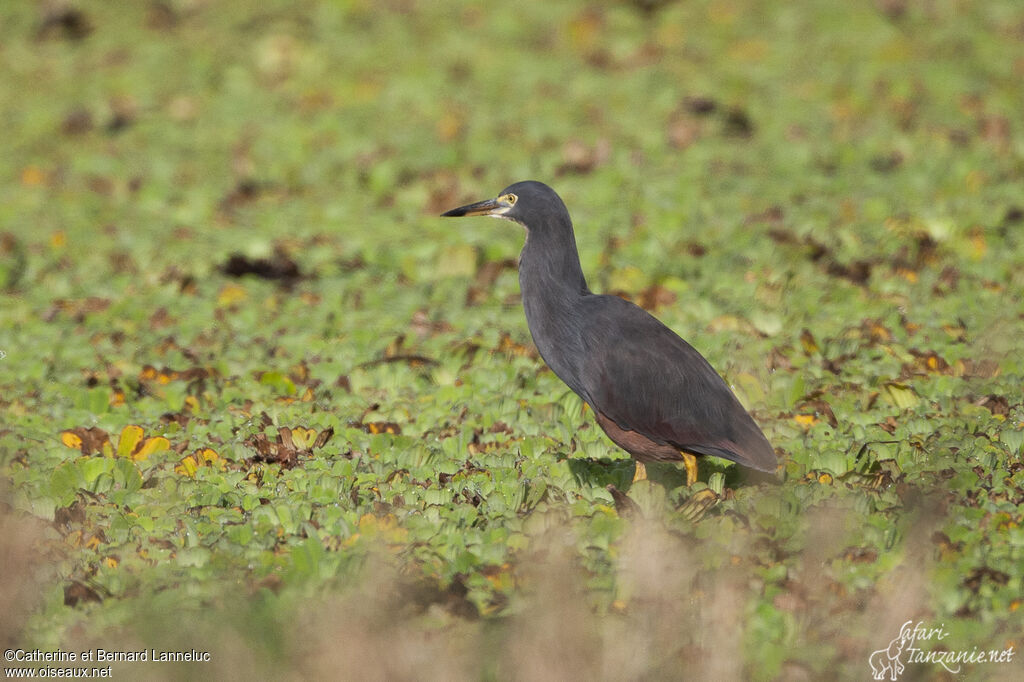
x=652 y=392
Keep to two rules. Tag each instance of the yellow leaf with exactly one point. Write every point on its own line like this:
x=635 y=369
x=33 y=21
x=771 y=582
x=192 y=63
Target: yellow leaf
x=203 y=457
x=899 y=395
x=131 y=436
x=449 y=126
x=749 y=50
x=108 y=449
x=501 y=581
x=303 y=438
x=629 y=279
x=188 y=466
x=907 y=274
x=809 y=343
x=729 y=323
x=805 y=420
x=110 y=562
x=70 y=439
x=584 y=30
x=879 y=332
x=32 y=176
x=367 y=524
x=231 y=293
x=978 y=245
x=208 y=455
x=151 y=445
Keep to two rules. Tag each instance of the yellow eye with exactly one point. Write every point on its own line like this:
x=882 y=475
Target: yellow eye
x=510 y=199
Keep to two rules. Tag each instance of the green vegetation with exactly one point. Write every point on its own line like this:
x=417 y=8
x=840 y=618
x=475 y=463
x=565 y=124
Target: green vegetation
x=351 y=463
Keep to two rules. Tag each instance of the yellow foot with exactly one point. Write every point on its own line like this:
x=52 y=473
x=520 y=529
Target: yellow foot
x=640 y=472
x=690 y=462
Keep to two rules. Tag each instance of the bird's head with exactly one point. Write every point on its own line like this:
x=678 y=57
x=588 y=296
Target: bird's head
x=532 y=204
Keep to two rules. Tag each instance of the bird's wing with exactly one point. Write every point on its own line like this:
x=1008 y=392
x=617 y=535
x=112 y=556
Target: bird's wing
x=641 y=375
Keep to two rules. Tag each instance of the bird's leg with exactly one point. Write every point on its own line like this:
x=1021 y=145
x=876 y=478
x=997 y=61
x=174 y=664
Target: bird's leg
x=640 y=472
x=690 y=462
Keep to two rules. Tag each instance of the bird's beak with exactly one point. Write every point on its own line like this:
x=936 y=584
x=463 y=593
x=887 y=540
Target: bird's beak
x=485 y=207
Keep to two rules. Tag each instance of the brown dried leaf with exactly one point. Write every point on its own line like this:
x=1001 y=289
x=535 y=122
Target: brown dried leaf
x=625 y=506
x=62 y=22
x=507 y=346
x=76 y=592
x=683 y=131
x=578 y=158
x=656 y=296
x=89 y=440
x=323 y=437
x=376 y=428
x=979 y=575
x=819 y=408
x=78 y=121
x=996 y=404
x=279 y=267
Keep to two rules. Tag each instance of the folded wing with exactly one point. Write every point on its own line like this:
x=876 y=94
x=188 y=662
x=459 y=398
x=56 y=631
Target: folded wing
x=651 y=381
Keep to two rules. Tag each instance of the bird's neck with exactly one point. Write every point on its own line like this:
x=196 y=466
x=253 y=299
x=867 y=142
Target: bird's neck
x=549 y=267
x=552 y=284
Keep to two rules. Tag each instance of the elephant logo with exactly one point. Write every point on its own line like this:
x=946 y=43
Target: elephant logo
x=887 y=660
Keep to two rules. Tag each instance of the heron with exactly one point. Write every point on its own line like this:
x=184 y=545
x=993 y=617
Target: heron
x=651 y=392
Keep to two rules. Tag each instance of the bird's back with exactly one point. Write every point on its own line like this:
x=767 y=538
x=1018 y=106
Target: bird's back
x=640 y=374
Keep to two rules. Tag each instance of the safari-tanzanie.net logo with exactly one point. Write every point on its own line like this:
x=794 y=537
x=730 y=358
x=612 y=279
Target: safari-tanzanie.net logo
x=919 y=644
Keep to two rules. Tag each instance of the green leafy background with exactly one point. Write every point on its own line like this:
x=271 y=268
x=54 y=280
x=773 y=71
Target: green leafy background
x=825 y=198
